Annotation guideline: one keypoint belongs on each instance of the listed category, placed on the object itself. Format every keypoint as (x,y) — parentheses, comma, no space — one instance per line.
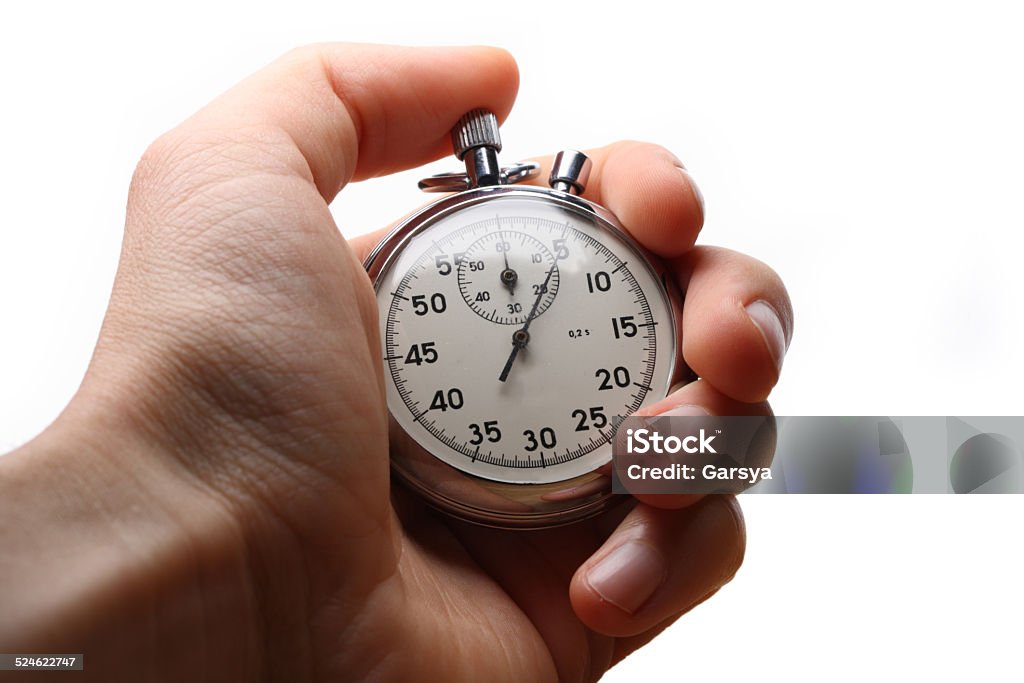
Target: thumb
(241,329)
(351,112)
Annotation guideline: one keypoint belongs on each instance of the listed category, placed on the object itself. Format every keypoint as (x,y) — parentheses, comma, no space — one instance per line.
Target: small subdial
(504,274)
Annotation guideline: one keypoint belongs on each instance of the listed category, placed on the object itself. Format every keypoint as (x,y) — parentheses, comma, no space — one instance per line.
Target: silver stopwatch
(519,324)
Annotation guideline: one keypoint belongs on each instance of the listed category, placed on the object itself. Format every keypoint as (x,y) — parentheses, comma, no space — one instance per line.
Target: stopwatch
(519,324)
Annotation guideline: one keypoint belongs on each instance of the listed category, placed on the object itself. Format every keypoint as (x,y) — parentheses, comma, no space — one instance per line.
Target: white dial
(516,329)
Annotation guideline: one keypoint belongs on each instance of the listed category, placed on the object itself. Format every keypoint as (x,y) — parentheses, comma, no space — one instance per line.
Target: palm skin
(241,360)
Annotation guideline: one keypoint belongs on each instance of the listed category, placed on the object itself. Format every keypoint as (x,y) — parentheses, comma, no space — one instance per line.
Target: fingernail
(628,576)
(695,190)
(767,321)
(686,410)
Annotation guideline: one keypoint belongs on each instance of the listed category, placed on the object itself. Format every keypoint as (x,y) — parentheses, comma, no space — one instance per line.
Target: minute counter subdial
(504,274)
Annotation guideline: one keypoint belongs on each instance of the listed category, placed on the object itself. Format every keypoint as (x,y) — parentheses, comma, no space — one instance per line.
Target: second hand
(521,337)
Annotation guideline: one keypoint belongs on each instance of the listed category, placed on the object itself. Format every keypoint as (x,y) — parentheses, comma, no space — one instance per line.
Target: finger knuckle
(152,168)
(753,277)
(175,159)
(310,53)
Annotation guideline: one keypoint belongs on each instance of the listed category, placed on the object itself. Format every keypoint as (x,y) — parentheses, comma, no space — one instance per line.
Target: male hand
(216,498)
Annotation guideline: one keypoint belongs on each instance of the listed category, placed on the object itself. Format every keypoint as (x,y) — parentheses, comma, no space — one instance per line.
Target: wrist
(110,550)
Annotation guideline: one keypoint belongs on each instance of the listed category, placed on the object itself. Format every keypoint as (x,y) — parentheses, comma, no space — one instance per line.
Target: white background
(873,155)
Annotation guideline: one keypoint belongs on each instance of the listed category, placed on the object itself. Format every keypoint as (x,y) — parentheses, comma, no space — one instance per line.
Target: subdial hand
(509,276)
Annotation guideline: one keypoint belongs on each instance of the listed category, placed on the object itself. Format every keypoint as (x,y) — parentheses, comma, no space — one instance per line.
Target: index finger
(649,191)
(643,184)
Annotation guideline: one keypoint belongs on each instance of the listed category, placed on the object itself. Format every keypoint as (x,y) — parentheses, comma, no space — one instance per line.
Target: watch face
(516,327)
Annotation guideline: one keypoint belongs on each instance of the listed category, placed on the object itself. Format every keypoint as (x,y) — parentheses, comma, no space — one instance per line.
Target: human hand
(228,447)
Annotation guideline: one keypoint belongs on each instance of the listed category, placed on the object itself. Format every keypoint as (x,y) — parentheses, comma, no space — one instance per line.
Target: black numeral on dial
(599,282)
(490,429)
(544,437)
(443,400)
(620,376)
(421,306)
(421,353)
(597,418)
(623,326)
